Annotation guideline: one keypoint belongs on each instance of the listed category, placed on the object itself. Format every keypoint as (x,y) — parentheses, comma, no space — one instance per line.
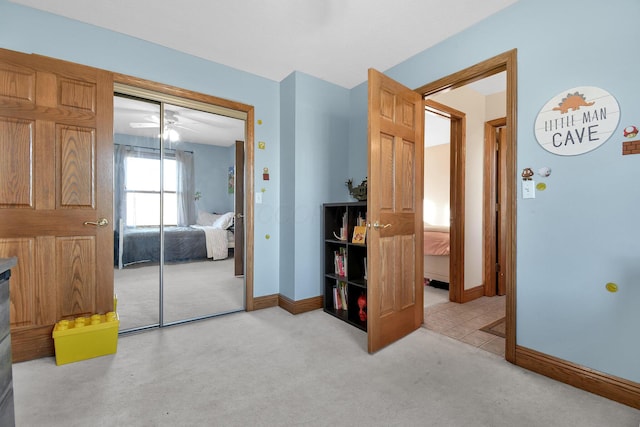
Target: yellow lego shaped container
(86,337)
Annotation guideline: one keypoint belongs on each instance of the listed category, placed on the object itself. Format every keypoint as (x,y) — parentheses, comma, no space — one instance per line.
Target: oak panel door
(394,211)
(56,131)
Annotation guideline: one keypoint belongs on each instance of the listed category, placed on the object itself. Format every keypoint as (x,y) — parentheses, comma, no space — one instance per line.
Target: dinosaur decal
(573,102)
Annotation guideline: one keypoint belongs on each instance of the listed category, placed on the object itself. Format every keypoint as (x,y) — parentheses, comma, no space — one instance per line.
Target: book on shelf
(337,305)
(340,295)
(340,262)
(359,234)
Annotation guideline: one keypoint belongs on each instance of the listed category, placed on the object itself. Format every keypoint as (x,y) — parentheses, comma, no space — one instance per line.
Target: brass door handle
(377,225)
(99,223)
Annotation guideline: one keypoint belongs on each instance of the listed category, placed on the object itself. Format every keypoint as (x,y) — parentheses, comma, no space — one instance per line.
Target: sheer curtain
(185,188)
(119,177)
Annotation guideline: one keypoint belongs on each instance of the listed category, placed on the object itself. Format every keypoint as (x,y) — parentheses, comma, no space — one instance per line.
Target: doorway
(472,288)
(179,209)
(495,199)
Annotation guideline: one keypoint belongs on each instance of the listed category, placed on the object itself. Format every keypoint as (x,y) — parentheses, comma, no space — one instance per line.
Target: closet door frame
(170,94)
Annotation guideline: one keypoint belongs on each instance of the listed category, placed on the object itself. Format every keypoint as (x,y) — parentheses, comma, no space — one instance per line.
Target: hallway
(464,322)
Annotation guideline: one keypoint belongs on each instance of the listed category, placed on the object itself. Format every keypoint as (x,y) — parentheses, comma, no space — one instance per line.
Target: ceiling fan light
(172,135)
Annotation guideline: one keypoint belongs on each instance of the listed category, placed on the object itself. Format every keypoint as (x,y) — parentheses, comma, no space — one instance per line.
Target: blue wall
(321,168)
(582,232)
(314,129)
(211,165)
(287,185)
(358,138)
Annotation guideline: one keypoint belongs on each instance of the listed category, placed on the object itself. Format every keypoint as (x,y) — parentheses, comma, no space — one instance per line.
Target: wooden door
(56,131)
(501,212)
(495,207)
(238,247)
(394,211)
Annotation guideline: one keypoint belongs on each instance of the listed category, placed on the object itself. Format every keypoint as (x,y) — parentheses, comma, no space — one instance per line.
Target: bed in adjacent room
(436,253)
(210,238)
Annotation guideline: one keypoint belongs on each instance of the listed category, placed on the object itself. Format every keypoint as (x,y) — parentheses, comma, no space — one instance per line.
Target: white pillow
(225,221)
(206,218)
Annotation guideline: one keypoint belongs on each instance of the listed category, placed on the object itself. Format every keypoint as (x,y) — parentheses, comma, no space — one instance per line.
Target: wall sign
(577,121)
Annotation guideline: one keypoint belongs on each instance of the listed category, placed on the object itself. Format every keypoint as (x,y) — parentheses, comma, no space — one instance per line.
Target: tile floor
(464,321)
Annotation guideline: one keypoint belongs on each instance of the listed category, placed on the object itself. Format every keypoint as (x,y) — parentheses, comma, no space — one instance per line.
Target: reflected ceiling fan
(137,118)
(172,122)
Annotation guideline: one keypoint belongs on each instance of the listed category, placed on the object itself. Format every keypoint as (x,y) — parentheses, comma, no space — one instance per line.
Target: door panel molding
(16,184)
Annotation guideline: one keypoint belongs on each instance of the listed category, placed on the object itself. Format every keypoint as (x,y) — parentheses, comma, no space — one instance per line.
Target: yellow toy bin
(86,337)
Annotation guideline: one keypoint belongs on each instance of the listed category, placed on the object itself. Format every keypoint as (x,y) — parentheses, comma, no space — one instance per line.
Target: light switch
(258,197)
(529,189)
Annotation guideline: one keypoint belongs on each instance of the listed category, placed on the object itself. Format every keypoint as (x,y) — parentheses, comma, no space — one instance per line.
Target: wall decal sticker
(577,120)
(631,147)
(541,186)
(259,121)
(527,173)
(611,287)
(544,171)
(261,145)
(630,132)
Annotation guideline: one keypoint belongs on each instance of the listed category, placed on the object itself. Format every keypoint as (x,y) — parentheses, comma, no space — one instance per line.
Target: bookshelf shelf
(345,262)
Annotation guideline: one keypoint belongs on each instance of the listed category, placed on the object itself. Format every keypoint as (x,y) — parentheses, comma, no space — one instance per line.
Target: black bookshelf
(344,262)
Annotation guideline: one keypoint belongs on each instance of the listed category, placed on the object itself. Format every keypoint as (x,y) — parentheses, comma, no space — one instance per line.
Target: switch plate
(258,197)
(529,189)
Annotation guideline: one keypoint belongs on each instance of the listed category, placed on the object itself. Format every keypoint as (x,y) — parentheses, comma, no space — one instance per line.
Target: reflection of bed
(142,244)
(436,253)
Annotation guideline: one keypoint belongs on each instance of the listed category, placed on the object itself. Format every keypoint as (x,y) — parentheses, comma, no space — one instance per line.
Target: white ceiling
(334,40)
(138,118)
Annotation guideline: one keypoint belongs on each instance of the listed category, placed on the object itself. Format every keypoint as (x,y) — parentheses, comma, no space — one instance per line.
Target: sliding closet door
(199,189)
(137,208)
(174,191)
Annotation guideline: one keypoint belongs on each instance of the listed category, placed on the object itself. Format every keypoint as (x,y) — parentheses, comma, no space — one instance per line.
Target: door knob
(377,225)
(99,223)
(239,215)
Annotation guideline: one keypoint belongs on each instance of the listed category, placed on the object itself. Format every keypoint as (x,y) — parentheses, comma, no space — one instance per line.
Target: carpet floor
(271,368)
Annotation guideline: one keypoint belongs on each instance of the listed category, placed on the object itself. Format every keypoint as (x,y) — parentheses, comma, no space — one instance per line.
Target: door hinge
(497,207)
(497,268)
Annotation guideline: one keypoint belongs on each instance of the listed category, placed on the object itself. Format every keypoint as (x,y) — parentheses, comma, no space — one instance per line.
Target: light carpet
(270,368)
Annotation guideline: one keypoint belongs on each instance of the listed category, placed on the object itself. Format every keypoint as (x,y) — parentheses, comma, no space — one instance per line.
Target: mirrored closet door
(176,219)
